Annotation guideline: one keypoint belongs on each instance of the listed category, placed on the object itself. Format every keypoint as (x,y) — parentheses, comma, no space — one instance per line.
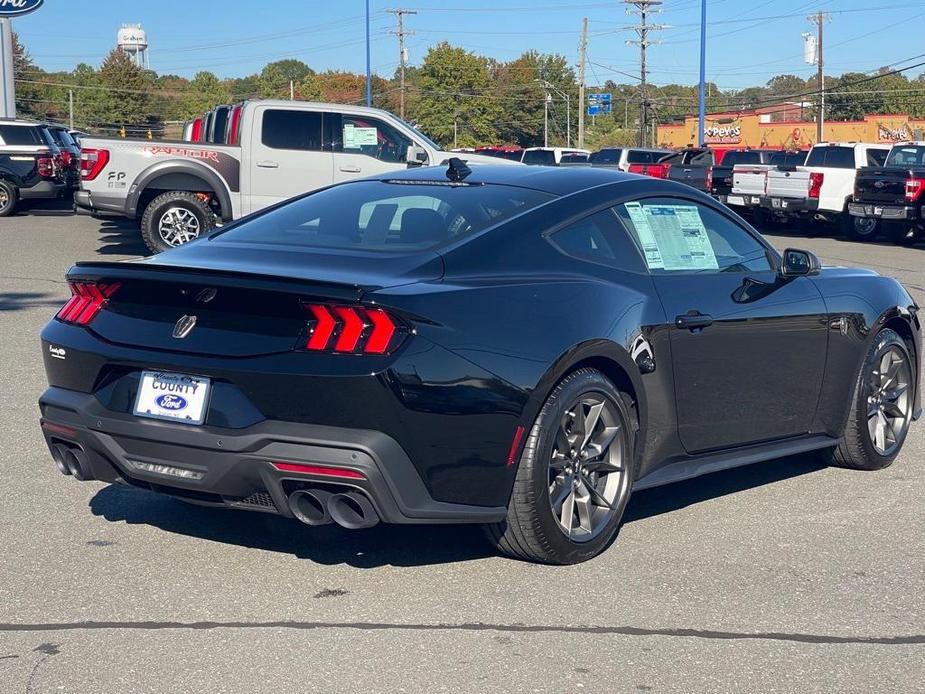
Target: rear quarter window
(21,135)
(831,157)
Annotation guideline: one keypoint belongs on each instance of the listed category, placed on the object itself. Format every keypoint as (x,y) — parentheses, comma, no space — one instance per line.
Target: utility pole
(546,99)
(643,8)
(402,52)
(369,67)
(819,19)
(701,98)
(582,60)
(291,91)
(70,102)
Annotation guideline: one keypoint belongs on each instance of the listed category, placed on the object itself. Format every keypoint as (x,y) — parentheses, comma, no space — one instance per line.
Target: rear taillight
(66,159)
(45,166)
(352,330)
(914,187)
(92,161)
(637,169)
(659,170)
(235,125)
(710,178)
(197,130)
(815,183)
(87,298)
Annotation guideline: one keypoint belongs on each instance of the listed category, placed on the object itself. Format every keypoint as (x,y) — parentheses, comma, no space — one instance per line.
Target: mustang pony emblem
(184,327)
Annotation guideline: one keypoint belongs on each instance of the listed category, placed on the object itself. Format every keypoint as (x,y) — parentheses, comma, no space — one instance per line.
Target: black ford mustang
(517,347)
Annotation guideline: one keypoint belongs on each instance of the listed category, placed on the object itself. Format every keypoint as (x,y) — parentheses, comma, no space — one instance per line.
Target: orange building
(780,128)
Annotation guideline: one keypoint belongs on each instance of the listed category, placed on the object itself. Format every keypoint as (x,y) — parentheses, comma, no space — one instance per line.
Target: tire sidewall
(852,230)
(885,338)
(547,422)
(7,210)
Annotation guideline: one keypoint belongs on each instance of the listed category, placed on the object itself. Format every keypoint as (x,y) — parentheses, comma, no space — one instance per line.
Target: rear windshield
(574,158)
(906,156)
(641,156)
(788,158)
(540,157)
(733,158)
(833,157)
(62,137)
(397,217)
(21,135)
(606,156)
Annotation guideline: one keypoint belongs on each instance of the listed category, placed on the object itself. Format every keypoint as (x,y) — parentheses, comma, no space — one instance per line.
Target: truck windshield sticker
(672,237)
(355,137)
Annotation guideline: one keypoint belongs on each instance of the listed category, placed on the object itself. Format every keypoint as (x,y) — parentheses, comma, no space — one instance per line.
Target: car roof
(549,179)
(19,122)
(560,150)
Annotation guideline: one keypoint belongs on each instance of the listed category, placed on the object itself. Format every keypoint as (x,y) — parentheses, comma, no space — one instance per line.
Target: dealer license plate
(735,200)
(174,397)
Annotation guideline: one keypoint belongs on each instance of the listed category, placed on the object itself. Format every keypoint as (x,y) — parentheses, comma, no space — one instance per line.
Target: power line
(643,8)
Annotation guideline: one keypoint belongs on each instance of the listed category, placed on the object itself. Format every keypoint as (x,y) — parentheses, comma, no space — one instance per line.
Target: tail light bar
(45,166)
(653,170)
(233,131)
(709,182)
(352,329)
(92,161)
(815,183)
(87,299)
(914,188)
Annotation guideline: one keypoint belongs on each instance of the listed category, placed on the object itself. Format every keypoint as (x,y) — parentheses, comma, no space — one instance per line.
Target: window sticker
(355,137)
(672,237)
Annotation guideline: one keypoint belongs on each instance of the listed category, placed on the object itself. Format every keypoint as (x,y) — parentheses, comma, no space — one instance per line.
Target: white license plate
(174,397)
(755,200)
(735,200)
(878,211)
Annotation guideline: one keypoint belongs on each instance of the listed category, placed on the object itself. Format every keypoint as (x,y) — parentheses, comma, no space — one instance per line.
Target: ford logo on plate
(171,402)
(12,8)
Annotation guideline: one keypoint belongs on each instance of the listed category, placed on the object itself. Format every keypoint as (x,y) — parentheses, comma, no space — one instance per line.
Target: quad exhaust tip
(71,460)
(58,454)
(351,510)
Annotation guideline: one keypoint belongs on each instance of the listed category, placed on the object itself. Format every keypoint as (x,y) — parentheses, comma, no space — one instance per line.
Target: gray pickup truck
(279,149)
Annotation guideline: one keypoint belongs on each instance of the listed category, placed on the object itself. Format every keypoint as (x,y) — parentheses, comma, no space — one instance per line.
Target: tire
(9,196)
(532,530)
(859,228)
(859,448)
(902,234)
(185,214)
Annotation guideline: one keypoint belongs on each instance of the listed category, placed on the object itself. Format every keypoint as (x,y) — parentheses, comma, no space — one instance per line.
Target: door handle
(268,164)
(693,320)
(351,169)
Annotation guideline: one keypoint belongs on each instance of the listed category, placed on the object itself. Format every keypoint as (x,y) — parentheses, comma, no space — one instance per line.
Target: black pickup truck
(894,193)
(30,164)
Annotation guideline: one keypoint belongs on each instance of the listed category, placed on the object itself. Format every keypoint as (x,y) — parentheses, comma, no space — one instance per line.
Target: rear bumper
(98,204)
(236,464)
(900,212)
(789,205)
(740,200)
(42,190)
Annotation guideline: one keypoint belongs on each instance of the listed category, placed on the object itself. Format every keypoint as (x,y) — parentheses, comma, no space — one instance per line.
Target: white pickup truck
(277,150)
(823,187)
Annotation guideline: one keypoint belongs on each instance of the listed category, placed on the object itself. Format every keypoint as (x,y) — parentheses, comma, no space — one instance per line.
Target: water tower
(133,40)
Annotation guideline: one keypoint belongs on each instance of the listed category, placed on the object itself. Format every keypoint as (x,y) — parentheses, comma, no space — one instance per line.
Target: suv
(623,157)
(29,164)
(70,153)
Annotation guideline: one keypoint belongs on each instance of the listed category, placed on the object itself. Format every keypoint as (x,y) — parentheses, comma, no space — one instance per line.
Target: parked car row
(37,161)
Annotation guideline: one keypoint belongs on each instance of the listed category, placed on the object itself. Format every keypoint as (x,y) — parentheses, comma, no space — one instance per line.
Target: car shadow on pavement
(120,237)
(20,301)
(399,545)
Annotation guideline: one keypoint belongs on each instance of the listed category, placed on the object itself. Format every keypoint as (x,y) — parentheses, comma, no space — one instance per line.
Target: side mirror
(797,263)
(416,156)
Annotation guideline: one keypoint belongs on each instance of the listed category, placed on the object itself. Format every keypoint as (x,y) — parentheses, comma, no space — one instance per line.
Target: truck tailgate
(788,184)
(749,179)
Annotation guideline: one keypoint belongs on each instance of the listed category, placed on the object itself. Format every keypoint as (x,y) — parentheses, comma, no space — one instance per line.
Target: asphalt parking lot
(780,577)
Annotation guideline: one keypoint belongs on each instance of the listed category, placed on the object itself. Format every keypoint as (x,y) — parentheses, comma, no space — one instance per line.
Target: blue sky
(748,41)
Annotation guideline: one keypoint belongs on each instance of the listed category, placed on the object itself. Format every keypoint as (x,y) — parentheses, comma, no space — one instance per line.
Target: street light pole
(369,71)
(701,109)
(568,112)
(546,99)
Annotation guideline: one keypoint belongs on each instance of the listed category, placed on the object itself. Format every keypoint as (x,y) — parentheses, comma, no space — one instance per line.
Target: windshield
(906,156)
(397,216)
(539,157)
(733,158)
(421,135)
(606,156)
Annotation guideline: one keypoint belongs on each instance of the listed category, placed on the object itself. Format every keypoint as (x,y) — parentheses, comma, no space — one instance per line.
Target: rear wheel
(175,218)
(902,233)
(882,406)
(575,474)
(8,198)
(859,228)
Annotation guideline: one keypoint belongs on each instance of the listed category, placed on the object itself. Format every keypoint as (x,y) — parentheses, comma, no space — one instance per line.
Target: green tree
(125,100)
(275,77)
(454,103)
(205,91)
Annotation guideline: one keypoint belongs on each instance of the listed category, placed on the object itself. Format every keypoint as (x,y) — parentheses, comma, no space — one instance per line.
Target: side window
(300,130)
(682,236)
(369,136)
(601,239)
(876,157)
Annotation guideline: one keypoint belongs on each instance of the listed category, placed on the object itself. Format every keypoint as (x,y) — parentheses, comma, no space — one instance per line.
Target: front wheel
(575,474)
(882,406)
(859,228)
(174,218)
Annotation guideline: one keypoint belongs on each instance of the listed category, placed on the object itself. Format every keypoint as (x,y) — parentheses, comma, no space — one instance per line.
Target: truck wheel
(902,234)
(174,218)
(8,198)
(859,228)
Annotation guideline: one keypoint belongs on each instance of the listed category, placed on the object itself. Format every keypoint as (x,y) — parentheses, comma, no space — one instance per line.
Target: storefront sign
(726,135)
